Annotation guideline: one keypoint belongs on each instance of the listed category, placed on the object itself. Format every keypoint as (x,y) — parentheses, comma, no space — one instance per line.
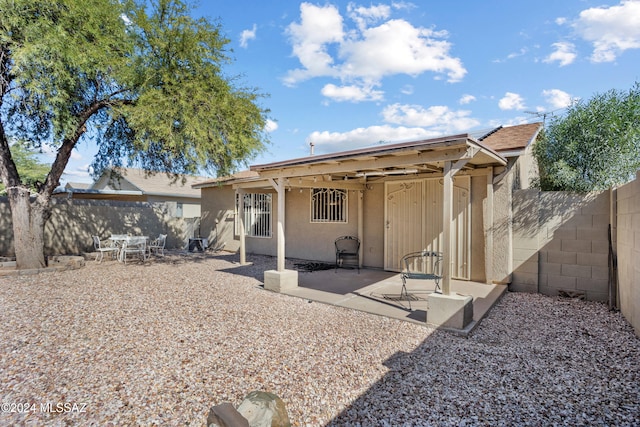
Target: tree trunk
(28,228)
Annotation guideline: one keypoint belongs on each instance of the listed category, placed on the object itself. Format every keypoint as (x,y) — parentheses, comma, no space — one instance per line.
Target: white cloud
(564,53)
(511,101)
(80,173)
(407,89)
(438,117)
(270,126)
(521,52)
(612,30)
(352,93)
(466,99)
(557,98)
(247,35)
(364,16)
(328,142)
(318,28)
(397,47)
(512,55)
(366,54)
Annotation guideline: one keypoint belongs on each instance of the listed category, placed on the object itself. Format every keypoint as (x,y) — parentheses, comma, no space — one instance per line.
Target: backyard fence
(580,245)
(74,221)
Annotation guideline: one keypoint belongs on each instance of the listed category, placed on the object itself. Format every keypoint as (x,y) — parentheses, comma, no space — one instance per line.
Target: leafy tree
(594,146)
(31,170)
(143,79)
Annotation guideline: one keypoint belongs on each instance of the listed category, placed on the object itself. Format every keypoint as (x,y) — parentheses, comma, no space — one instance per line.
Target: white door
(413,221)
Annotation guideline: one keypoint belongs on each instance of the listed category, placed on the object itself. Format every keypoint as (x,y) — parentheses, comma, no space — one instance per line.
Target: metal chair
(423,265)
(157,245)
(100,250)
(134,245)
(347,252)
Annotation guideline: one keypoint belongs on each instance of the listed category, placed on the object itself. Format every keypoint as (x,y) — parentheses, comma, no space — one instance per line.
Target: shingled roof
(157,185)
(512,138)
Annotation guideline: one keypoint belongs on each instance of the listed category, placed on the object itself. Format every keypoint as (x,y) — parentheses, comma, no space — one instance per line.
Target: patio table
(124,240)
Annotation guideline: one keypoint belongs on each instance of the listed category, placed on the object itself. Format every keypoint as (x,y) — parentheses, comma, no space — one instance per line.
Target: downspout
(613,258)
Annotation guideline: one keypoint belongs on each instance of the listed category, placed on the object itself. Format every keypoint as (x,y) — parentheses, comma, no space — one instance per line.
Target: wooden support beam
(447,202)
(351,165)
(243,251)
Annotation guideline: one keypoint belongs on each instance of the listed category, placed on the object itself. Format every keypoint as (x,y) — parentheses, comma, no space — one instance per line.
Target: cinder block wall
(560,243)
(628,251)
(74,221)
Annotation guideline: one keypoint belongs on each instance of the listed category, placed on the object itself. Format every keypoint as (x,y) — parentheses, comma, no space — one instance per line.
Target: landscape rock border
(56,263)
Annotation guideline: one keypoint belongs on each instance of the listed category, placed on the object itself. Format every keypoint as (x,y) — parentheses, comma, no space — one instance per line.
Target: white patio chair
(100,249)
(134,245)
(157,245)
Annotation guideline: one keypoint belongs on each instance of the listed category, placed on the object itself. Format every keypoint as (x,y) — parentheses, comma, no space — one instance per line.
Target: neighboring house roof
(158,184)
(512,139)
(77,186)
(226,180)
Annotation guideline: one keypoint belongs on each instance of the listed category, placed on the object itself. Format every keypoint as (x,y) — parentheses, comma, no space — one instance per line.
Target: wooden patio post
(243,252)
(447,202)
(360,226)
(279,186)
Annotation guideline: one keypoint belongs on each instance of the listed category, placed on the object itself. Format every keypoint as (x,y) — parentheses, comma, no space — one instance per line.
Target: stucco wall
(478,212)
(502,232)
(315,241)
(373,230)
(218,216)
(560,243)
(74,221)
(628,251)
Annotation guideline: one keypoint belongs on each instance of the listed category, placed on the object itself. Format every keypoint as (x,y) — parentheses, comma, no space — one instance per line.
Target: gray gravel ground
(158,344)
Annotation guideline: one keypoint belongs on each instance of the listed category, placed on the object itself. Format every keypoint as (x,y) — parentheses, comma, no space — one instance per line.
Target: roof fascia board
(363,152)
(343,185)
(354,164)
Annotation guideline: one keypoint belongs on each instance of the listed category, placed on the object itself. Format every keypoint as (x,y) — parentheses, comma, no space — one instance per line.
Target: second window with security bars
(328,205)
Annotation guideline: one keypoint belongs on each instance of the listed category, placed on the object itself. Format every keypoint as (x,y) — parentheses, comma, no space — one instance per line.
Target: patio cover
(350,169)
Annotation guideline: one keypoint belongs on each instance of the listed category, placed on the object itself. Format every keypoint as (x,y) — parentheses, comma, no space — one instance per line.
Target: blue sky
(347,75)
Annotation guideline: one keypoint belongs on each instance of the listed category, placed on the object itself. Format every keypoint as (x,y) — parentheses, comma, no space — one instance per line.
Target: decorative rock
(225,415)
(263,409)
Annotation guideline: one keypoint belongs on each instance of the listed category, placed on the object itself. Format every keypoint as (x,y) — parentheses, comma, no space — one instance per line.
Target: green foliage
(142,79)
(32,171)
(594,146)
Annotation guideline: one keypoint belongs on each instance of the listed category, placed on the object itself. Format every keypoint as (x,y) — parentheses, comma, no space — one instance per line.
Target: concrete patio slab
(378,292)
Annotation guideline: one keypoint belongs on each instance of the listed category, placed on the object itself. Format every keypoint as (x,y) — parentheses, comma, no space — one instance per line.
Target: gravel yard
(158,344)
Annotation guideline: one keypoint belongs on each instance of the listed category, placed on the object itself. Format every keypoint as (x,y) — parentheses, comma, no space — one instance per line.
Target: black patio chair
(347,252)
(423,265)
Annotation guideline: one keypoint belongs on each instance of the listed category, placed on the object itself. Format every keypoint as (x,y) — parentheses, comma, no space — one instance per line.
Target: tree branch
(64,152)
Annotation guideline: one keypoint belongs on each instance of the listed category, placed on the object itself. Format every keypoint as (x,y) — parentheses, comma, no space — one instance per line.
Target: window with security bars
(328,205)
(257,214)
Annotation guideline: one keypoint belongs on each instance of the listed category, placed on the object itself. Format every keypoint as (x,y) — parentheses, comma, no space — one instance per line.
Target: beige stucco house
(450,194)
(135,185)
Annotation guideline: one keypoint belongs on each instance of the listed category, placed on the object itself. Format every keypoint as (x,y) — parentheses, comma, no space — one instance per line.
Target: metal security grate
(328,205)
(257,214)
